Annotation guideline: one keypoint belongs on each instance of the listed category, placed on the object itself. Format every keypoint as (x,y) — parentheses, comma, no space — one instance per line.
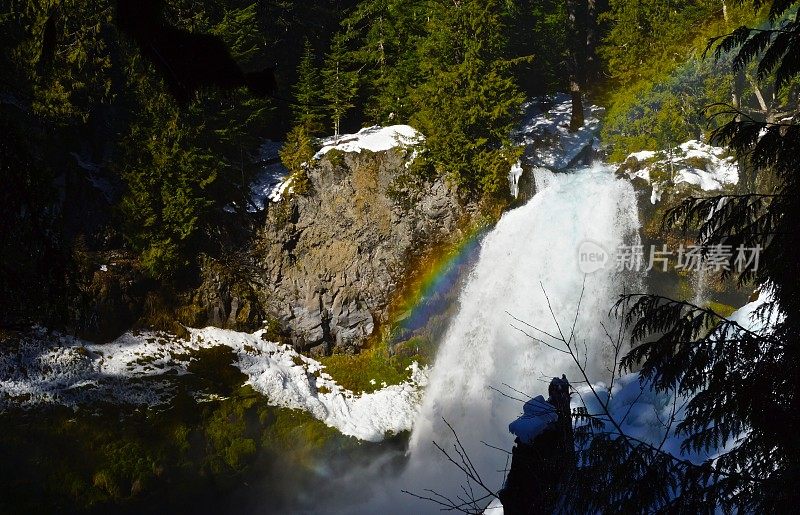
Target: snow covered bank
(374,139)
(545,127)
(693,163)
(48,367)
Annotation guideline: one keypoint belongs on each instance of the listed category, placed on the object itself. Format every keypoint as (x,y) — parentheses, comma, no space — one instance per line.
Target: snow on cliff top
(375,139)
(48,367)
(271,183)
(694,163)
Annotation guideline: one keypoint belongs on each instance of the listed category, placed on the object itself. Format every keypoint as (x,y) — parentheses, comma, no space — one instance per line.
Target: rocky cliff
(334,258)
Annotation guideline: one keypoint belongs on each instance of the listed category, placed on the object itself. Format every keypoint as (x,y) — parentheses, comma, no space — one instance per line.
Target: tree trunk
(592,38)
(576,120)
(578,13)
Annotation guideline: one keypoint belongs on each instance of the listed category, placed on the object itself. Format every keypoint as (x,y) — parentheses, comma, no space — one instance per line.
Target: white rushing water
(532,248)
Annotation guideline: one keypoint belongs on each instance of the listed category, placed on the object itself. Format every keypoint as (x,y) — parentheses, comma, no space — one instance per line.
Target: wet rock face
(334,258)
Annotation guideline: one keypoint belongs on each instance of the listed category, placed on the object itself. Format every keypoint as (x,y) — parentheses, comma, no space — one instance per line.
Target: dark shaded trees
(578,16)
(187,60)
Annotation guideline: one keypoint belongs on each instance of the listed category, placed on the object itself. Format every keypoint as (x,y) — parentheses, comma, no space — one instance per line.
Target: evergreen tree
(540,28)
(385,34)
(307,108)
(183,165)
(340,82)
(467,100)
(296,155)
(644,35)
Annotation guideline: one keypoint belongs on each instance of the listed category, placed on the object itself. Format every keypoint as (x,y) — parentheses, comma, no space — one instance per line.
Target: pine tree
(296,155)
(183,165)
(468,99)
(340,82)
(540,28)
(384,34)
(307,109)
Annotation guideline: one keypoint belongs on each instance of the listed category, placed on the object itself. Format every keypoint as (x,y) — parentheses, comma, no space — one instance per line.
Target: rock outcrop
(334,258)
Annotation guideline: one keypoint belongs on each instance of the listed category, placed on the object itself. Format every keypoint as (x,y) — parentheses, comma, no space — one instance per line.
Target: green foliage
(184,165)
(467,100)
(384,36)
(230,443)
(168,192)
(214,367)
(69,69)
(648,38)
(286,428)
(340,82)
(240,30)
(307,109)
(335,157)
(296,155)
(365,371)
(664,85)
(193,455)
(541,28)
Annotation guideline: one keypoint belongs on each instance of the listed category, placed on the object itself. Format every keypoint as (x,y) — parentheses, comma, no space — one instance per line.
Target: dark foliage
(186,61)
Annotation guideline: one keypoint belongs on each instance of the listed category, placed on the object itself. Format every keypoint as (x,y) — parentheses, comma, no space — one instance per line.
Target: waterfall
(533,247)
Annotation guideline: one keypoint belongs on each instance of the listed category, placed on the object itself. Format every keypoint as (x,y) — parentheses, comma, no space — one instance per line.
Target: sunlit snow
(48,367)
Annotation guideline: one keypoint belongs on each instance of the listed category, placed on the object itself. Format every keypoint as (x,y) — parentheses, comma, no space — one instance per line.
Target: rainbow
(426,295)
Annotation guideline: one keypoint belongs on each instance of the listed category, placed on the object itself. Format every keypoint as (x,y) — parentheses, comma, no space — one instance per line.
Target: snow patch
(267,184)
(271,183)
(694,163)
(545,127)
(374,139)
(513,178)
(46,367)
(276,195)
(537,414)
